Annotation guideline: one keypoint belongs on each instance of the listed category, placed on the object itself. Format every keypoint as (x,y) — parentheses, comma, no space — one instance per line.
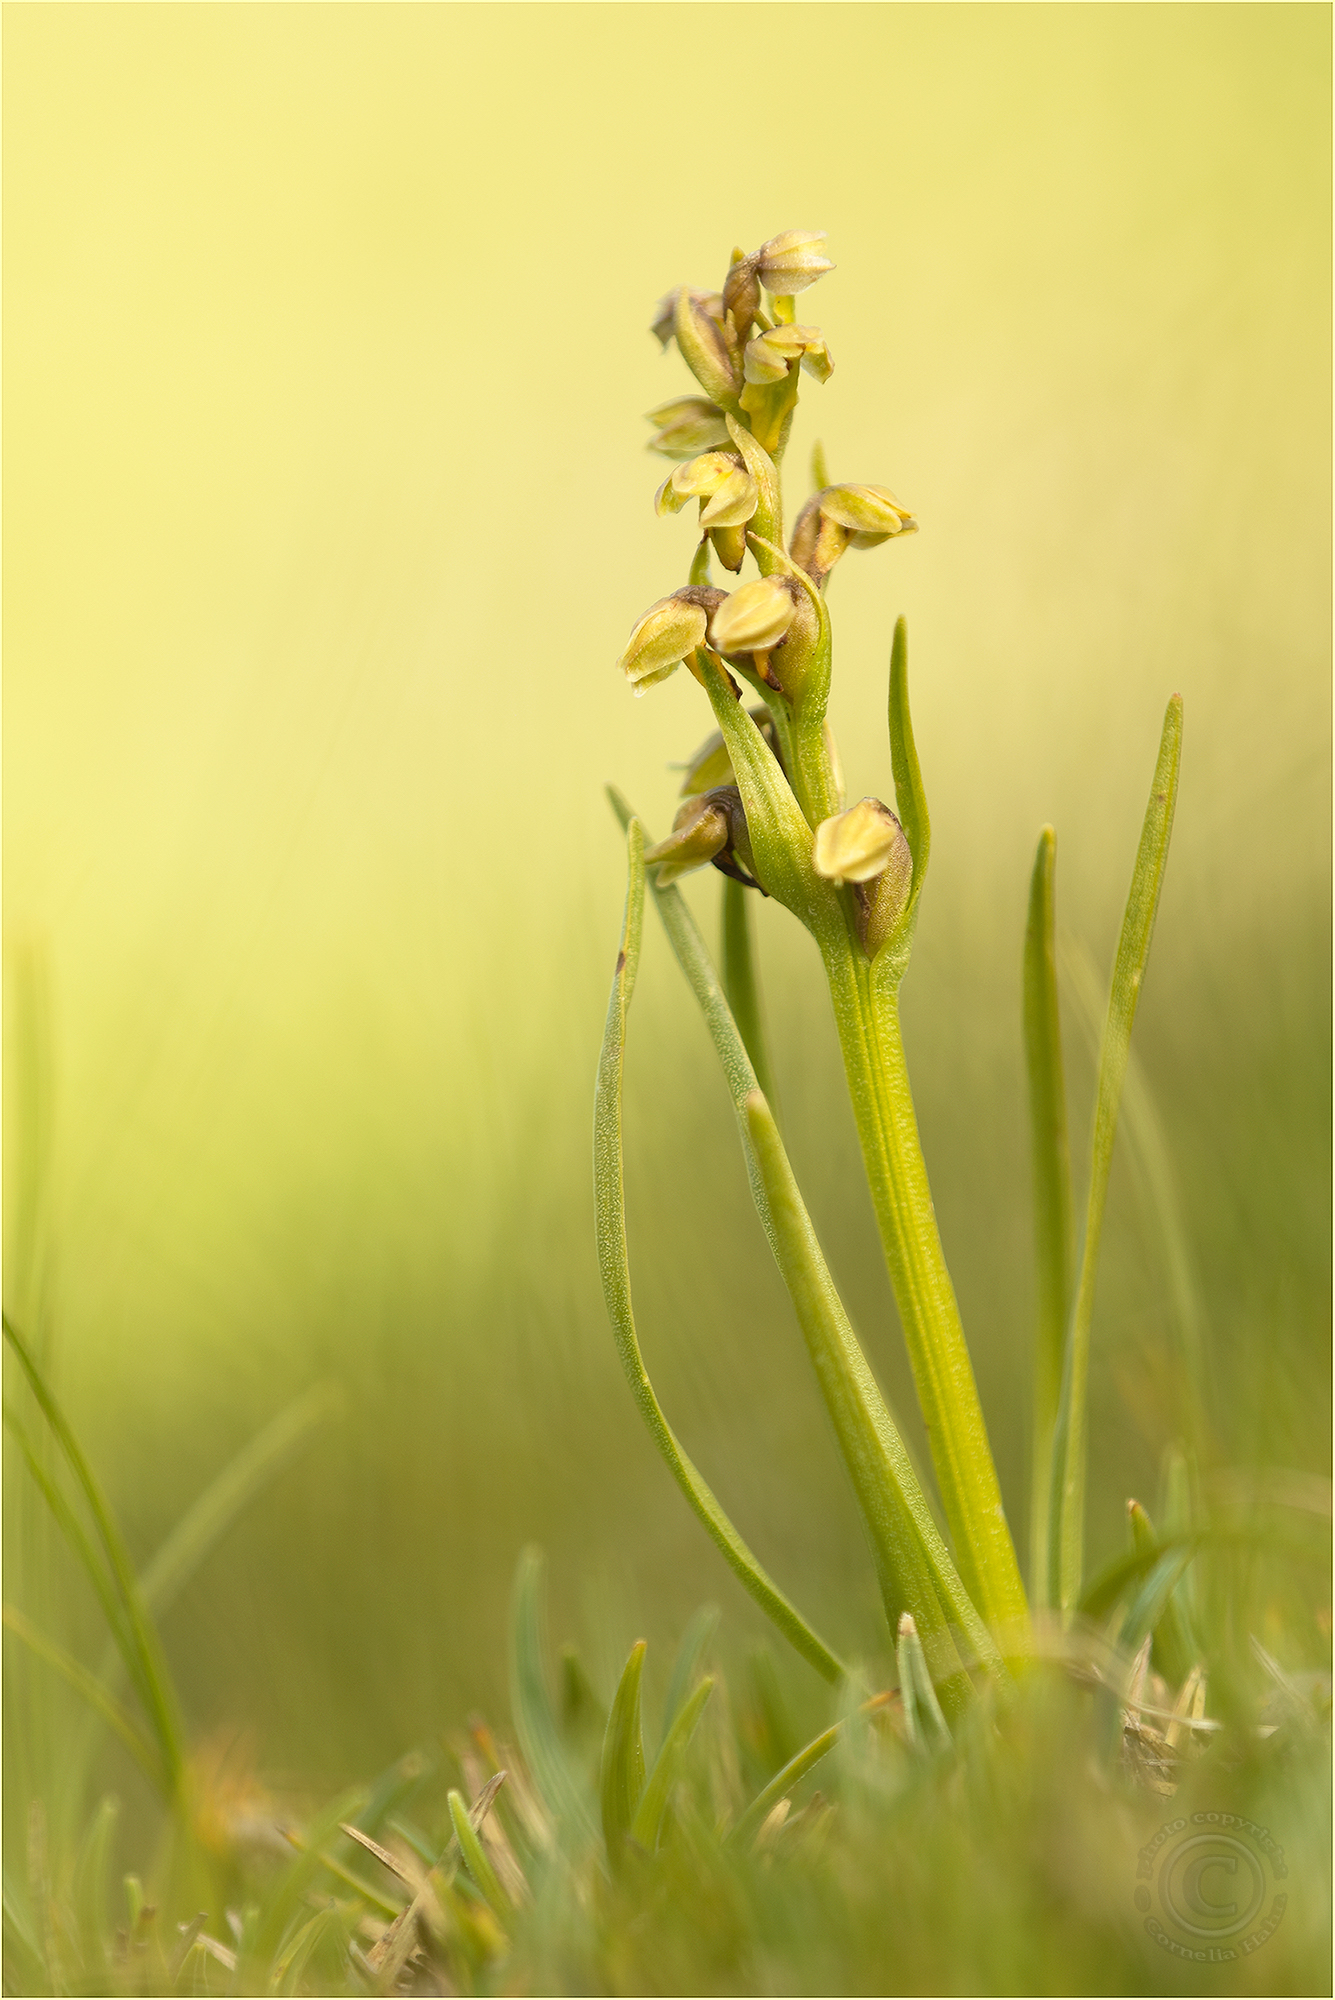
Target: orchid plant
(764,804)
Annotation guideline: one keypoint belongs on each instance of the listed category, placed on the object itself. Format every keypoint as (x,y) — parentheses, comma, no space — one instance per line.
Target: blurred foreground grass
(320,543)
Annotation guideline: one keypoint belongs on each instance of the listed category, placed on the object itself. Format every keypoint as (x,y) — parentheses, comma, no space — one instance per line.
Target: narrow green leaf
(923,1720)
(622,1778)
(694,1644)
(531,1701)
(614,1264)
(910,795)
(648,1822)
(95,1694)
(740,982)
(144,1647)
(475,1858)
(1070,1443)
(1050,1164)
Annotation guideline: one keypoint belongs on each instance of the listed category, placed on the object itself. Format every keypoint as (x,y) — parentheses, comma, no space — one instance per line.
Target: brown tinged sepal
(866,848)
(741,294)
(844,517)
(668,634)
(709,828)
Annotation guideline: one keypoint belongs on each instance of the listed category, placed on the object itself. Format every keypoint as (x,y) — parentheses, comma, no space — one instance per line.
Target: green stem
(867,1016)
(913,1565)
(741,985)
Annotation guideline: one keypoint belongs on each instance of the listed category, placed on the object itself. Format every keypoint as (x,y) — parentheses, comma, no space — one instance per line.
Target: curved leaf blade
(614,1264)
(622,1777)
(650,1813)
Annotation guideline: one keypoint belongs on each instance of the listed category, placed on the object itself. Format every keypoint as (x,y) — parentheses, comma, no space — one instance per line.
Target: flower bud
(871,513)
(883,900)
(708,827)
(753,619)
(667,633)
(688,426)
(704,348)
(792,261)
(856,845)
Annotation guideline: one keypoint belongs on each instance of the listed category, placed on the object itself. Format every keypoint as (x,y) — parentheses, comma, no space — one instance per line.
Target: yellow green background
(327,515)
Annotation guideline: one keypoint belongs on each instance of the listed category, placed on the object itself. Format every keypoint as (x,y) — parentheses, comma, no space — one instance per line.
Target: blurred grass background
(327,517)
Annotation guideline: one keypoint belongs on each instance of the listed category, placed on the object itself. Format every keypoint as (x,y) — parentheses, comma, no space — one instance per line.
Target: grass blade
(740,983)
(622,1778)
(1173,1653)
(535,1717)
(1070,1444)
(142,1648)
(475,1858)
(648,1821)
(614,1263)
(1050,1152)
(95,1694)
